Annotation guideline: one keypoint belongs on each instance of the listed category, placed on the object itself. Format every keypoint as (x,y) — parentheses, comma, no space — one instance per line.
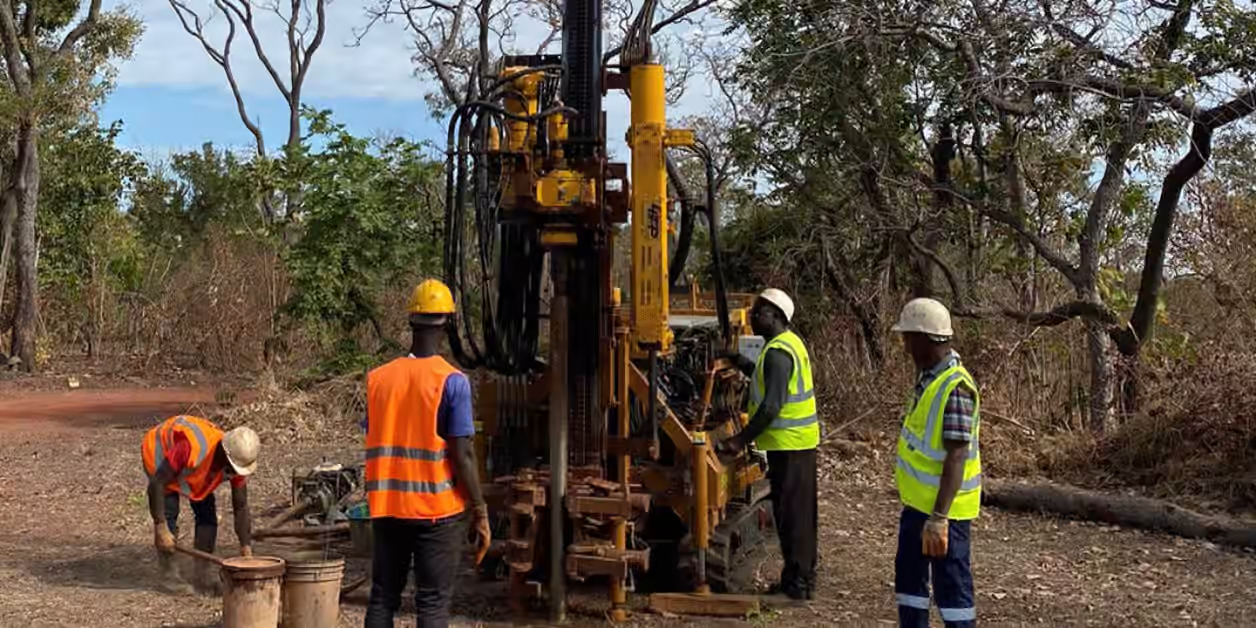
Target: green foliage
(367,221)
(174,205)
(84,236)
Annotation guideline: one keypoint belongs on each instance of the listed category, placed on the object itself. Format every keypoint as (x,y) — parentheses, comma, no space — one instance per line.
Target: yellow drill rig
(601,409)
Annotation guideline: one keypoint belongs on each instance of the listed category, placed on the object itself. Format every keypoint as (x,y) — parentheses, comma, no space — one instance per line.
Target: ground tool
(195,553)
(605,399)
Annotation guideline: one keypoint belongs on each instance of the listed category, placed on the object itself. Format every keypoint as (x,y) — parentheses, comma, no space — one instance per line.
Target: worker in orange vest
(421,469)
(189,456)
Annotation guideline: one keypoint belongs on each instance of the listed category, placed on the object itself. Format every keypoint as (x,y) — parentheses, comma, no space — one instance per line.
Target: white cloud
(168,56)
(379,67)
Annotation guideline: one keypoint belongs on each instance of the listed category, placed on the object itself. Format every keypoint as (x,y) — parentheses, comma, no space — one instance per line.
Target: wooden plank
(710,604)
(582,566)
(613,506)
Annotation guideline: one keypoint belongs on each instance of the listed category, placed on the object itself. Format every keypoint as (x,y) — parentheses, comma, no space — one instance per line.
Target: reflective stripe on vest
(918,472)
(797,426)
(408,473)
(197,480)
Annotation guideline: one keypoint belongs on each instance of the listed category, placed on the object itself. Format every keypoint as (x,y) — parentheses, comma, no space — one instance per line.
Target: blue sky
(171,97)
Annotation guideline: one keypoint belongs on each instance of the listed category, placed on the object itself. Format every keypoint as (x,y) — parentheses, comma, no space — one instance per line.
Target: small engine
(326,488)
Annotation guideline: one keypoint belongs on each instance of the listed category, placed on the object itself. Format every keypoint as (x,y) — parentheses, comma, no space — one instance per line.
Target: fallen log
(1123,510)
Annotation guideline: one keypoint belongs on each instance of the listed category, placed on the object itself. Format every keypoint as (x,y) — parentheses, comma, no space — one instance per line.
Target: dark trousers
(952,575)
(204,512)
(434,547)
(792,475)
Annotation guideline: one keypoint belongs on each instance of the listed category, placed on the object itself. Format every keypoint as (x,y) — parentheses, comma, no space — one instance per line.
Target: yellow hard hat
(431,297)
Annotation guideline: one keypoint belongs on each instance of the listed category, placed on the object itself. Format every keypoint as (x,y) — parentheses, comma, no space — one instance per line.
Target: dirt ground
(75,546)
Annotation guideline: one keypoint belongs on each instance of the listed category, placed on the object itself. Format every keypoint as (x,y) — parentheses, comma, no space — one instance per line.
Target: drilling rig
(602,401)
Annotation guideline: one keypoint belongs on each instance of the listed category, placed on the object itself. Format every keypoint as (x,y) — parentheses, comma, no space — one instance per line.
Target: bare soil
(75,547)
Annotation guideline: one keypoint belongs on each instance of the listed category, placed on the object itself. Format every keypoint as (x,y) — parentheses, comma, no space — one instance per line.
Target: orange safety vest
(197,481)
(408,475)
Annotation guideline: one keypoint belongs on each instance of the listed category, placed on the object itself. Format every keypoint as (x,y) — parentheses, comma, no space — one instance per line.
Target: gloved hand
(246,551)
(736,359)
(163,540)
(483,533)
(729,447)
(934,537)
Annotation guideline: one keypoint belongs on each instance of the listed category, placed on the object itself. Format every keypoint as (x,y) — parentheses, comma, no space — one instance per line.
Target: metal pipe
(619,594)
(558,415)
(701,507)
(652,404)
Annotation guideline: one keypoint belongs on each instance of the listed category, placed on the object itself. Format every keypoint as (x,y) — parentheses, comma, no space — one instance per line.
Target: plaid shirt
(957,418)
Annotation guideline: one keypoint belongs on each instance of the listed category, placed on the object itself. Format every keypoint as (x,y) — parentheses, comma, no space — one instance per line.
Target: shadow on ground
(125,567)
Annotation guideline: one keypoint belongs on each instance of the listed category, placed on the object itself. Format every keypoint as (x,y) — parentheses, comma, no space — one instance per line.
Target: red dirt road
(71,409)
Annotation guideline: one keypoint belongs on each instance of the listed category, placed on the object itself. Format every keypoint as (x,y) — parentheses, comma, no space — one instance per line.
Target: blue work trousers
(204,512)
(952,575)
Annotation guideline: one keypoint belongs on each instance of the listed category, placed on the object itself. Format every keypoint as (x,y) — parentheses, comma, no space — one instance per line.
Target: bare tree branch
(79,31)
(193,25)
(18,74)
(1022,230)
(682,13)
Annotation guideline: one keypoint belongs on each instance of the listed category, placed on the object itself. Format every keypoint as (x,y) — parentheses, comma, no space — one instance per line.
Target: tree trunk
(1135,512)
(1102,376)
(25,186)
(8,217)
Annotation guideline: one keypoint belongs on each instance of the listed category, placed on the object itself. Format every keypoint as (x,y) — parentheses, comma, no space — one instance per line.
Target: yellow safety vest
(798,426)
(920,451)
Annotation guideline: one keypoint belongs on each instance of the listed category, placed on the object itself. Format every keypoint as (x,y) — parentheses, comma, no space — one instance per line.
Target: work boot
(205,574)
(171,582)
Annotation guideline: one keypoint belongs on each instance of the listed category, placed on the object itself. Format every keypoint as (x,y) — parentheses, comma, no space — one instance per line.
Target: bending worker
(421,469)
(938,474)
(784,424)
(191,456)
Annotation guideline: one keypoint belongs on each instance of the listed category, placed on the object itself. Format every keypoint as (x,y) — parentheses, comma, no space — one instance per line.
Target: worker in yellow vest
(938,473)
(784,423)
(421,470)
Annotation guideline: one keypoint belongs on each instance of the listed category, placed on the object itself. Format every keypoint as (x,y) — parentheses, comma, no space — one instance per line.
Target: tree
(174,204)
(53,75)
(88,248)
(1031,118)
(370,218)
(304,23)
(459,44)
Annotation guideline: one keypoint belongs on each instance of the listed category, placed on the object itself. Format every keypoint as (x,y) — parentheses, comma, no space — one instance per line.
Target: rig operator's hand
(934,537)
(483,533)
(729,447)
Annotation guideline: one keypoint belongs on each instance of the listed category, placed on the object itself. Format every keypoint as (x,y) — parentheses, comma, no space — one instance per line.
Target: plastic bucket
(360,536)
(251,591)
(311,594)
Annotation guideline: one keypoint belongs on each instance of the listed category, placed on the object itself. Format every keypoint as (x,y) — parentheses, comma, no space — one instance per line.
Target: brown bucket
(251,588)
(311,594)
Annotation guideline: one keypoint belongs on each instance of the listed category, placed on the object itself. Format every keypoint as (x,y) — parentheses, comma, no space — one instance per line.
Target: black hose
(685,237)
(717,263)
(683,242)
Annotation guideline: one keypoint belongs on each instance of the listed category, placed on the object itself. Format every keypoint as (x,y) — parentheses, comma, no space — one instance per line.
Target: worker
(190,456)
(938,474)
(421,469)
(784,423)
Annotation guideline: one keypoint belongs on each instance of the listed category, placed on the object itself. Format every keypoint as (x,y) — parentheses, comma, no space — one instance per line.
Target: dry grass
(327,413)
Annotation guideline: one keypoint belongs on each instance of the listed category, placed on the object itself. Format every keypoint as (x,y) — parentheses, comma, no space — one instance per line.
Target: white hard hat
(925,316)
(241,446)
(780,300)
